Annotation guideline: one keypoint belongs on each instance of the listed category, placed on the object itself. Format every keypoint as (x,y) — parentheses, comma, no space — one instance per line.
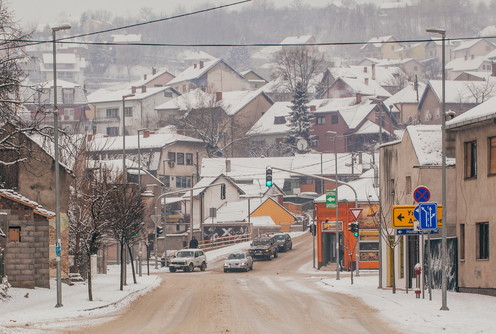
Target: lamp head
(436,31)
(62,27)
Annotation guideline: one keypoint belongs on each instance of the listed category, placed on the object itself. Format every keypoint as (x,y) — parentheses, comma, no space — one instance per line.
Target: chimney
(201,64)
(218,96)
(143,89)
(313,108)
(358,98)
(373,71)
(146,134)
(154,71)
(133,90)
(144,77)
(365,69)
(194,65)
(493,68)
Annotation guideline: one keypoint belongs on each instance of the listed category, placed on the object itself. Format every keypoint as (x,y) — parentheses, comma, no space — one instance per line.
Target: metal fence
(223,241)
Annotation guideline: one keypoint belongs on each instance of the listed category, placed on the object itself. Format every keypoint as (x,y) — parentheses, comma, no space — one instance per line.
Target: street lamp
(139,157)
(335,136)
(57,171)
(444,230)
(124,97)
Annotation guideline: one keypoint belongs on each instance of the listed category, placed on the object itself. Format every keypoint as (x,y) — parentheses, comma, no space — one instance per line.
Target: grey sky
(32,12)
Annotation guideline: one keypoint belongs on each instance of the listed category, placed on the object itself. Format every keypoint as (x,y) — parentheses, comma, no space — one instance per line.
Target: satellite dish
(302,144)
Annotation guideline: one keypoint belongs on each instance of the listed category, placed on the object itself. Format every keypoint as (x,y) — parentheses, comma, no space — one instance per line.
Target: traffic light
(160,230)
(268,177)
(313,229)
(223,191)
(353,228)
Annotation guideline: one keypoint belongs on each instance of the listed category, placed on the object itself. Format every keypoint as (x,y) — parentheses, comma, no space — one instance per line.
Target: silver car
(238,261)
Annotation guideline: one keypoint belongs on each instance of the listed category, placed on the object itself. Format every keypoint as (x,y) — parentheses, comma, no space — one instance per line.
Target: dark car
(263,247)
(283,242)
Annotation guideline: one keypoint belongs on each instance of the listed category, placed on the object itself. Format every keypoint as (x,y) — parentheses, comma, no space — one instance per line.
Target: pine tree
(300,121)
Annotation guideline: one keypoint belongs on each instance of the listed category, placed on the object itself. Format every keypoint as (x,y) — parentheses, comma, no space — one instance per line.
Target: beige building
(475,137)
(210,76)
(405,165)
(383,47)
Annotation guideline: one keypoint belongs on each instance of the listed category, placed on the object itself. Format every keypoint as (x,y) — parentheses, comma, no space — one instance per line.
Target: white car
(188,259)
(238,261)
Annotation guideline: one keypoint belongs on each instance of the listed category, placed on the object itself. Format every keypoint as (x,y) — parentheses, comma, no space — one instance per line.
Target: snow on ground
(468,313)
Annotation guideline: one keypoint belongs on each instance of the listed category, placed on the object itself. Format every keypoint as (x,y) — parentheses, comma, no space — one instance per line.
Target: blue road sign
(421,194)
(426,214)
(410,231)
(57,249)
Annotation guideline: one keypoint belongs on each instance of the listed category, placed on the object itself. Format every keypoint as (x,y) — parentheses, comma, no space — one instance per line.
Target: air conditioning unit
(172,164)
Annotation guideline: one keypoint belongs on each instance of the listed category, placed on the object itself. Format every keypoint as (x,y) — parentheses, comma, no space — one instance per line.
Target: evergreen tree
(300,121)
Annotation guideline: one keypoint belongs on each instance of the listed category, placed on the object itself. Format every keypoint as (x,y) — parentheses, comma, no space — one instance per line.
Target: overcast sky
(29,12)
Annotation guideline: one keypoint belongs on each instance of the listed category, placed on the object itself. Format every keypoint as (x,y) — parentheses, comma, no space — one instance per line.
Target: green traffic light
(268,183)
(355,234)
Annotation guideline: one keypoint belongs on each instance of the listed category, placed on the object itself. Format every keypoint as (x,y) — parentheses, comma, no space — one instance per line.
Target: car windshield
(184,254)
(280,237)
(237,256)
(260,242)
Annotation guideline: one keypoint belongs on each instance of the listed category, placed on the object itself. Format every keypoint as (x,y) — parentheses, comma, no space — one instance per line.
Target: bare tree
(482,90)
(207,119)
(126,218)
(297,64)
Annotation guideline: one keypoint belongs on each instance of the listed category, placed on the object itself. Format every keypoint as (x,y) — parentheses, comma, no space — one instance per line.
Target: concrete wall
(475,204)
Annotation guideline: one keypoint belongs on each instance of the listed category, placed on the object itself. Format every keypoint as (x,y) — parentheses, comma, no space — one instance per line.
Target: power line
(64,41)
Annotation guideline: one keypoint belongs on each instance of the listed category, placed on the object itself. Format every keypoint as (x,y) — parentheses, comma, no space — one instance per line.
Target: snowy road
(273,298)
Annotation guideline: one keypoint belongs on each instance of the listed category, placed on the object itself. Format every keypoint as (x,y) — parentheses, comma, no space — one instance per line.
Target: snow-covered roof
(235,211)
(154,140)
(191,55)
(377,41)
(149,78)
(426,141)
(31,92)
(37,208)
(462,64)
(297,39)
(407,95)
(62,58)
(112,95)
(385,76)
(125,38)
(364,86)
(369,127)
(195,71)
(364,187)
(459,91)
(468,44)
(484,111)
(262,221)
(489,31)
(354,115)
(266,124)
(231,102)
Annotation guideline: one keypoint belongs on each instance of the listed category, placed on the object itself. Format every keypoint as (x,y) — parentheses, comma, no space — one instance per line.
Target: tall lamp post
(444,230)
(57,170)
(124,97)
(334,135)
(139,157)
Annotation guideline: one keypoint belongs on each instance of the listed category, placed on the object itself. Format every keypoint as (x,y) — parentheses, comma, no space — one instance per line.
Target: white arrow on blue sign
(426,214)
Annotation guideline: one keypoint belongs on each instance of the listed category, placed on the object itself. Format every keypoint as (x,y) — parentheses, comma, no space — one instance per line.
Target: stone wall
(26,261)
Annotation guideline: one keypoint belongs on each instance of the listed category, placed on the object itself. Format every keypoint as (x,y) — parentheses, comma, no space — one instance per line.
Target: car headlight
(226,264)
(266,250)
(243,263)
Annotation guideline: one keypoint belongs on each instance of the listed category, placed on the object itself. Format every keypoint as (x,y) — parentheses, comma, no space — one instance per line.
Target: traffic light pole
(325,179)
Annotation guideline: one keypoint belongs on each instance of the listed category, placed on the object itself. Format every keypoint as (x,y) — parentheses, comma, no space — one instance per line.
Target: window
(279,120)
(320,120)
(68,95)
(415,68)
(315,141)
(112,131)
(69,112)
(171,156)
(189,159)
(482,241)
(167,93)
(408,185)
(112,112)
(165,179)
(180,158)
(334,119)
(183,182)
(462,241)
(492,156)
(470,159)
(14,234)
(128,111)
